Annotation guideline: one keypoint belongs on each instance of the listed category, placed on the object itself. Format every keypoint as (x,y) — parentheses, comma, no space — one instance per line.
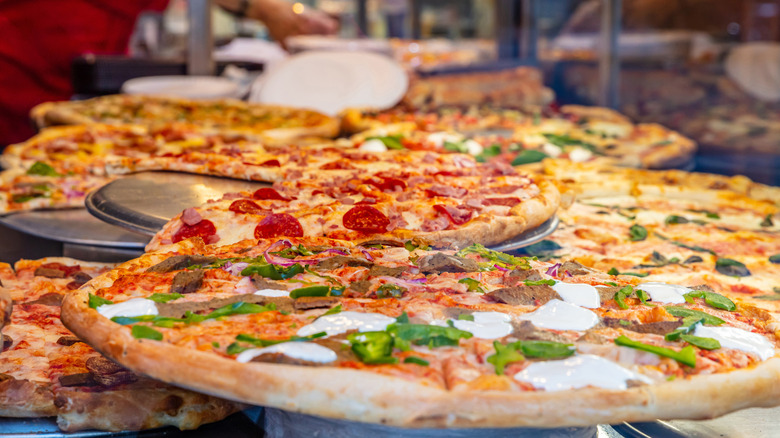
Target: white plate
(191,87)
(331,81)
(301,43)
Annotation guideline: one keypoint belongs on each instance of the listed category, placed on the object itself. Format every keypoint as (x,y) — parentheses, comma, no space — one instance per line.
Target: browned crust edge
(367,397)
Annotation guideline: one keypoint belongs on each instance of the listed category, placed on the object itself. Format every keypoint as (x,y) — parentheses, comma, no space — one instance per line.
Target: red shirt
(38,41)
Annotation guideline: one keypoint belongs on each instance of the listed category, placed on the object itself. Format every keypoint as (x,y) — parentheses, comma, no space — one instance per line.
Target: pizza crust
(6,305)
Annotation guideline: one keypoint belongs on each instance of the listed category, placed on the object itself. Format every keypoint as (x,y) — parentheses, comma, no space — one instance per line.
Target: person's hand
(283,21)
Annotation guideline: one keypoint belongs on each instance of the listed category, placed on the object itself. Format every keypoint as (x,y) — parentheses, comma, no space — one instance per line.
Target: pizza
(671,226)
(398,334)
(430,198)
(272,122)
(47,371)
(518,87)
(573,132)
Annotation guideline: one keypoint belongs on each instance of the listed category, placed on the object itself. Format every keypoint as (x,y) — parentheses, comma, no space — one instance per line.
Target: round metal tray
(73,226)
(145,202)
(529,237)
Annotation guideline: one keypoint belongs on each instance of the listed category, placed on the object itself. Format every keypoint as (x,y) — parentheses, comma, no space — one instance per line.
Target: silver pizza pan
(145,202)
(73,226)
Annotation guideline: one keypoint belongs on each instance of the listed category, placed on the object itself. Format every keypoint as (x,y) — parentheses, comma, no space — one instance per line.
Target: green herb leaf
(332,311)
(311,291)
(703,343)
(688,325)
(546,349)
(711,298)
(548,282)
(502,258)
(614,271)
(144,332)
(684,312)
(731,267)
(430,335)
(674,219)
(565,140)
(775,258)
(488,152)
(637,233)
(528,156)
(403,318)
(686,356)
(458,147)
(767,222)
(96,301)
(684,245)
(417,361)
(164,298)
(473,285)
(272,271)
(43,169)
(505,354)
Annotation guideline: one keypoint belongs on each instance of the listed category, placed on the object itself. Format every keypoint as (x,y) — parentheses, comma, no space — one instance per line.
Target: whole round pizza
(394,333)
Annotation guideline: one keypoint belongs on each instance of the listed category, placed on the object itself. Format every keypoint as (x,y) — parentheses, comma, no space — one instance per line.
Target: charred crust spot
(7,342)
(101,365)
(170,405)
(80,379)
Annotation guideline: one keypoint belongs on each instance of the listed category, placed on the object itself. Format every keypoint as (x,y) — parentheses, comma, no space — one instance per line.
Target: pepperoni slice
(267,193)
(278,225)
(245,206)
(387,184)
(67,270)
(366,219)
(271,163)
(456,215)
(204,229)
(507,202)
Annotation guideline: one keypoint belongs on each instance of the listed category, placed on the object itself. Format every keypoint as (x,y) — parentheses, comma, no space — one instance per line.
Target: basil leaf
(465,317)
(311,291)
(546,349)
(456,147)
(686,356)
(389,290)
(767,222)
(774,258)
(127,320)
(703,343)
(715,300)
(529,156)
(473,285)
(430,335)
(505,354)
(688,325)
(96,301)
(731,267)
(43,169)
(144,332)
(686,246)
(403,318)
(373,347)
(417,361)
(565,140)
(637,233)
(693,259)
(774,297)
(390,141)
(495,256)
(236,348)
(709,214)
(272,271)
(164,298)
(239,308)
(548,282)
(674,219)
(644,297)
(488,152)
(685,312)
(332,311)
(614,271)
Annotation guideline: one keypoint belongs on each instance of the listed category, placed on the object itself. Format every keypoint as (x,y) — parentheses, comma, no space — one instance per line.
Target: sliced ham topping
(204,229)
(367,200)
(429,158)
(278,225)
(474,203)
(366,219)
(190,216)
(507,202)
(347,200)
(435,224)
(387,184)
(446,191)
(245,206)
(456,215)
(504,190)
(337,165)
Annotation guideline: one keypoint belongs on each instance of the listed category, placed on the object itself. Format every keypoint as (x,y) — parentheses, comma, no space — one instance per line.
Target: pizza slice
(47,371)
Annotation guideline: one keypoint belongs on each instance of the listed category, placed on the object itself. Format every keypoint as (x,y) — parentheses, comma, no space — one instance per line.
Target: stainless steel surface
(609,60)
(529,237)
(100,253)
(200,40)
(748,423)
(146,201)
(73,226)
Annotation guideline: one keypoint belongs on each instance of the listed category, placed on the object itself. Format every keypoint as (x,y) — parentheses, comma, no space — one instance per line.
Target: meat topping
(440,262)
(524,295)
(187,282)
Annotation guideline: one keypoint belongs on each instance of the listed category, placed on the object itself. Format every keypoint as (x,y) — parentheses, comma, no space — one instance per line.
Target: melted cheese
(738,339)
(583,295)
(559,315)
(664,293)
(307,351)
(486,325)
(272,293)
(373,145)
(578,372)
(130,308)
(345,321)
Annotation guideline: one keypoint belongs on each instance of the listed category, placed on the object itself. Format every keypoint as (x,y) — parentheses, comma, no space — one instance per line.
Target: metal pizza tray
(145,202)
(73,226)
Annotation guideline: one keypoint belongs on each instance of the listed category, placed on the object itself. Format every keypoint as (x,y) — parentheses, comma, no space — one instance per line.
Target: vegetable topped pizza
(395,333)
